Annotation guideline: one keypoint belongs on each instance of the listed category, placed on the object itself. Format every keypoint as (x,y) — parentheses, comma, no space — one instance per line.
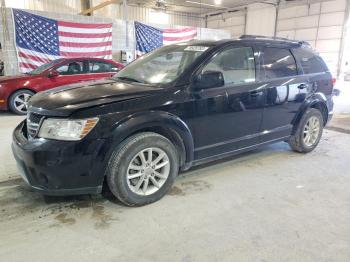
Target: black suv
(174,108)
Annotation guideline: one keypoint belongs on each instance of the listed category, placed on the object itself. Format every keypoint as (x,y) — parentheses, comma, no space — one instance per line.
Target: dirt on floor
(270,204)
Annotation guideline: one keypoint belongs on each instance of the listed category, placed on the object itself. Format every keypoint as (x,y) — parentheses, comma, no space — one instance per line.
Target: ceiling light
(198,3)
(217,2)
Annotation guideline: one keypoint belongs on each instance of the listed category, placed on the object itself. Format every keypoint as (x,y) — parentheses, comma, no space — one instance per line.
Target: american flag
(149,38)
(40,40)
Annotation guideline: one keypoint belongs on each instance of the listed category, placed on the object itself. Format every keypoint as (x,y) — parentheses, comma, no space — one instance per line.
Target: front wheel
(308,133)
(142,169)
(18,101)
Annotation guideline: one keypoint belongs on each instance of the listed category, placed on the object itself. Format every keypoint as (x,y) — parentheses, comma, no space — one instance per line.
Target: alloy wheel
(311,131)
(21,101)
(148,171)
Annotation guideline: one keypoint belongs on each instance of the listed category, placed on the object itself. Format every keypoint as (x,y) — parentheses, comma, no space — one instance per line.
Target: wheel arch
(16,90)
(19,89)
(317,101)
(163,123)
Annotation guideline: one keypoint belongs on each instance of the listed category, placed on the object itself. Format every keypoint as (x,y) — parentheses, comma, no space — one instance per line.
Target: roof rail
(263,37)
(274,38)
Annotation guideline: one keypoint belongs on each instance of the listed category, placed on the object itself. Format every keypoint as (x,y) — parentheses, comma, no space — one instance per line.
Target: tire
(298,141)
(18,101)
(130,191)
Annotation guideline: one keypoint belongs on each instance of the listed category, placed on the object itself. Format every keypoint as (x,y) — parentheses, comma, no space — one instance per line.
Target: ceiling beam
(99,6)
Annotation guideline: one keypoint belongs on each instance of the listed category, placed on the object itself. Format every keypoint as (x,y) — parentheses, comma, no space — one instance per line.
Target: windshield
(161,66)
(44,67)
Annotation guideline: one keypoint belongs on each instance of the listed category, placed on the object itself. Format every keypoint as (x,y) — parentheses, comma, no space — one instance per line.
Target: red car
(16,90)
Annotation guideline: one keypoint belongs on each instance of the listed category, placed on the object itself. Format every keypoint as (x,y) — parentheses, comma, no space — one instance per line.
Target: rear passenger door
(285,89)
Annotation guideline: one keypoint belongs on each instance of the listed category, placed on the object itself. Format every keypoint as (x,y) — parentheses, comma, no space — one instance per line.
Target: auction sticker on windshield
(196,48)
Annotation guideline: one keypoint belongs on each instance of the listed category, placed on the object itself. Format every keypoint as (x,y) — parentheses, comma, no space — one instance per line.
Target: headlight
(64,129)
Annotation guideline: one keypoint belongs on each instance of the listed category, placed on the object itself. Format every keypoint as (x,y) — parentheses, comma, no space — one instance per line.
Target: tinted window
(310,62)
(101,67)
(278,63)
(236,64)
(44,67)
(71,68)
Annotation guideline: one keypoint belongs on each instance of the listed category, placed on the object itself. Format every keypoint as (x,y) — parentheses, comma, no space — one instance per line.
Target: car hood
(62,101)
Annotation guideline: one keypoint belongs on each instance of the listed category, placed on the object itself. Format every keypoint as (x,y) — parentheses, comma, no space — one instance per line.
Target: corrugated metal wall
(144,14)
(233,22)
(61,6)
(321,24)
(112,11)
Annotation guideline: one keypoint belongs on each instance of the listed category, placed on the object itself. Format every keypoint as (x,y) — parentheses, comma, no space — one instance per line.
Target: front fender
(143,120)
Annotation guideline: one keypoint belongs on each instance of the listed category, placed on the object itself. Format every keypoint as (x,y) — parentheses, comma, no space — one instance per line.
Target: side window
(101,67)
(310,62)
(278,63)
(236,64)
(71,68)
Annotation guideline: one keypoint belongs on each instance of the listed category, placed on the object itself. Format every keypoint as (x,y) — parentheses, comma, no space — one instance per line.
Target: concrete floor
(267,205)
(8,122)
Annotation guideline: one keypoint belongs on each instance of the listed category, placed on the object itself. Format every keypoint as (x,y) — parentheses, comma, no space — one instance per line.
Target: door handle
(302,86)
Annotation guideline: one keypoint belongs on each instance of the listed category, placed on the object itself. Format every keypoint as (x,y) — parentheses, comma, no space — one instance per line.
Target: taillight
(334,80)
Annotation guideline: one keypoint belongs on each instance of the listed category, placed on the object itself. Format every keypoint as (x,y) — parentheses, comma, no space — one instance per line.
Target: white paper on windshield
(196,48)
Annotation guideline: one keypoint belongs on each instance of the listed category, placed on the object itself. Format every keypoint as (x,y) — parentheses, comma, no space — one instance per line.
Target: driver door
(69,73)
(229,118)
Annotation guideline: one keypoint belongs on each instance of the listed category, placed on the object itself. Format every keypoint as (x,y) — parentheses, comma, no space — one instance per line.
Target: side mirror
(208,79)
(53,73)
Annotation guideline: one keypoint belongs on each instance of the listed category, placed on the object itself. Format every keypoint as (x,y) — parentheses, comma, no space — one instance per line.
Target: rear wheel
(308,133)
(18,101)
(142,169)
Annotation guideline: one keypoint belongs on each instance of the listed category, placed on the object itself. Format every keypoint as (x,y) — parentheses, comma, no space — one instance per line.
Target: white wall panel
(148,15)
(213,34)
(290,34)
(292,12)
(329,19)
(261,19)
(234,23)
(306,22)
(236,31)
(213,24)
(327,46)
(62,6)
(306,34)
(235,20)
(333,6)
(322,26)
(286,24)
(330,32)
(314,9)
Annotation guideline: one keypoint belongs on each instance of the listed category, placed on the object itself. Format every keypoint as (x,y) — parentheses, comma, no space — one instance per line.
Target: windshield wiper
(129,79)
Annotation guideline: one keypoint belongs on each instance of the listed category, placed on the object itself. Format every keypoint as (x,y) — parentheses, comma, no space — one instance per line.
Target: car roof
(253,39)
(86,58)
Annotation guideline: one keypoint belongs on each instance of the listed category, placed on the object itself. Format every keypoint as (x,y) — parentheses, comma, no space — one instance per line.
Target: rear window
(310,62)
(278,63)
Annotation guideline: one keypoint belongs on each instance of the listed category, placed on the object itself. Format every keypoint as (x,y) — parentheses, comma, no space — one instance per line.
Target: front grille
(33,124)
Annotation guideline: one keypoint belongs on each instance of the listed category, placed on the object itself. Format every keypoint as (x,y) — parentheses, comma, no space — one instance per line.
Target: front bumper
(59,167)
